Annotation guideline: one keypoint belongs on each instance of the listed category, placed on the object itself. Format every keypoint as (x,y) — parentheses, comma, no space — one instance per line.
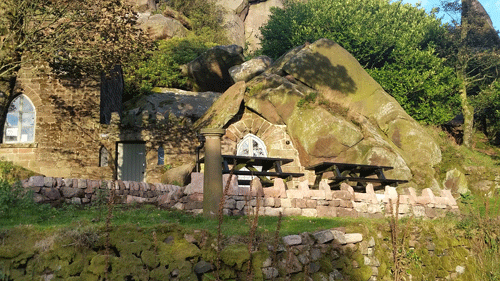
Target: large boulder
(160,27)
(258,15)
(180,103)
(333,111)
(249,69)
(235,29)
(210,71)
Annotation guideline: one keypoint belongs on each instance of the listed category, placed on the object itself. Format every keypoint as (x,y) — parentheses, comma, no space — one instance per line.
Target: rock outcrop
(210,71)
(333,111)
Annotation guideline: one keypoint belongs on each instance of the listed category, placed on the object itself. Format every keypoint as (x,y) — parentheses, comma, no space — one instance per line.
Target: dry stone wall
(322,202)
(242,200)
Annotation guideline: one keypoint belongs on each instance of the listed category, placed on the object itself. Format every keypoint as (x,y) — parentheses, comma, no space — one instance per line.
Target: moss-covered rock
(235,255)
(333,110)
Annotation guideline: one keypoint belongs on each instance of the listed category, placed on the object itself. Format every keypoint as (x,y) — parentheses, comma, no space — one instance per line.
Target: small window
(251,145)
(161,156)
(103,157)
(19,125)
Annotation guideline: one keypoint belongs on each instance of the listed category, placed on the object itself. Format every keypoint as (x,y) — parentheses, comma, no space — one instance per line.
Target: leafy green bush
(13,197)
(206,17)
(163,68)
(487,105)
(421,83)
(394,41)
(13,173)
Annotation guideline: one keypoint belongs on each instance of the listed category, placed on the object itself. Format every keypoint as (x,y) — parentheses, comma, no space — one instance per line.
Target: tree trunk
(468,113)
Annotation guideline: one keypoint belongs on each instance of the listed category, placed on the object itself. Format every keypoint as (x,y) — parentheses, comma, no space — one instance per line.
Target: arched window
(103,157)
(161,155)
(19,126)
(251,145)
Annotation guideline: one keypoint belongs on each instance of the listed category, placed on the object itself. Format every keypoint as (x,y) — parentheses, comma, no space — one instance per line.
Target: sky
(492,7)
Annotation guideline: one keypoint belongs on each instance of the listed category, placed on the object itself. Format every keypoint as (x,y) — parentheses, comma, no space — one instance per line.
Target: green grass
(44,216)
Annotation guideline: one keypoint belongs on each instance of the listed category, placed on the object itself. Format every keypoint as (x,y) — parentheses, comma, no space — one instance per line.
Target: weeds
(109,216)
(398,239)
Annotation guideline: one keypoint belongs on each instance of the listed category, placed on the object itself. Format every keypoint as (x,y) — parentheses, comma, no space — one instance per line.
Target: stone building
(75,128)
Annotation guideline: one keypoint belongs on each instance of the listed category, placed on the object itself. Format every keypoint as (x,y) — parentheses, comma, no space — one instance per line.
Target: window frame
(23,98)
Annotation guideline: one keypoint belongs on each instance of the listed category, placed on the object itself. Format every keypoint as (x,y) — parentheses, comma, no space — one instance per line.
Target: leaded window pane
(12,119)
(28,119)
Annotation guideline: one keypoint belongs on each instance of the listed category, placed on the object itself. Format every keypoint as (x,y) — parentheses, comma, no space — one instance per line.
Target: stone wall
(83,191)
(241,200)
(66,135)
(278,142)
(322,202)
(69,134)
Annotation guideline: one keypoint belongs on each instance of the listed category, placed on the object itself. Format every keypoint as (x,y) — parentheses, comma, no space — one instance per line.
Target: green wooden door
(131,161)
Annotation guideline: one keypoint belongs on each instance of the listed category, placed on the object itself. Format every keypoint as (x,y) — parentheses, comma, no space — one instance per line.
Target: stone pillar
(212,184)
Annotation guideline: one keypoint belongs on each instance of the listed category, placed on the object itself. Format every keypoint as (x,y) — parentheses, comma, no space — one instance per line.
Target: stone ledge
(19,145)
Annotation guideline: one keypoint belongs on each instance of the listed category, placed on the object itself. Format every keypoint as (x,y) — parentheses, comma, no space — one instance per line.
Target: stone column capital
(208,132)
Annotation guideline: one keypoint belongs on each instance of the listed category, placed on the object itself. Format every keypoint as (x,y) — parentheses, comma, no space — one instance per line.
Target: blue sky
(491,6)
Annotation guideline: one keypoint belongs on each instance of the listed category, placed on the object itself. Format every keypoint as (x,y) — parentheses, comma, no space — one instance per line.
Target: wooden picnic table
(262,167)
(361,174)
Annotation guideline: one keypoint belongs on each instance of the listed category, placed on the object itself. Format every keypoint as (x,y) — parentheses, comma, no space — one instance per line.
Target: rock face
(250,69)
(161,27)
(244,18)
(210,71)
(333,111)
(177,102)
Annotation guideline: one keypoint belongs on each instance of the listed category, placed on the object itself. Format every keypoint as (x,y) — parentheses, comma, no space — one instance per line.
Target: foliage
(163,68)
(473,50)
(76,38)
(205,16)
(421,83)
(487,105)
(13,197)
(13,173)
(393,41)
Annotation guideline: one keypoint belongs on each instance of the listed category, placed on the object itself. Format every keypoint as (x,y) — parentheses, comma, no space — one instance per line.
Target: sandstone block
(353,237)
(347,212)
(342,194)
(291,240)
(48,182)
(335,203)
(300,203)
(52,194)
(294,193)
(324,236)
(311,203)
(269,211)
(346,204)
(292,211)
(37,181)
(69,192)
(286,203)
(326,211)
(309,213)
(317,194)
(339,236)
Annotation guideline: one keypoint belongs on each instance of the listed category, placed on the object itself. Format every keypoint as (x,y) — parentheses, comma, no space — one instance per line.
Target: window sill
(19,145)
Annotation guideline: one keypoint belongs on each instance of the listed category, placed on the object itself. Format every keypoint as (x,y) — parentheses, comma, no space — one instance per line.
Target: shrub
(163,68)
(393,41)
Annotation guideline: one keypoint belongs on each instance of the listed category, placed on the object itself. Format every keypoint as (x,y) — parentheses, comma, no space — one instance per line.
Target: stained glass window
(19,126)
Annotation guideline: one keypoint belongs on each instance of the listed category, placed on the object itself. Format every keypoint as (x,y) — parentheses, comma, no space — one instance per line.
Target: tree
(474,53)
(74,38)
(395,42)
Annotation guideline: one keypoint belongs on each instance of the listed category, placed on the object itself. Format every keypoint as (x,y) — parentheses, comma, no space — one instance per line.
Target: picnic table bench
(256,166)
(359,173)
